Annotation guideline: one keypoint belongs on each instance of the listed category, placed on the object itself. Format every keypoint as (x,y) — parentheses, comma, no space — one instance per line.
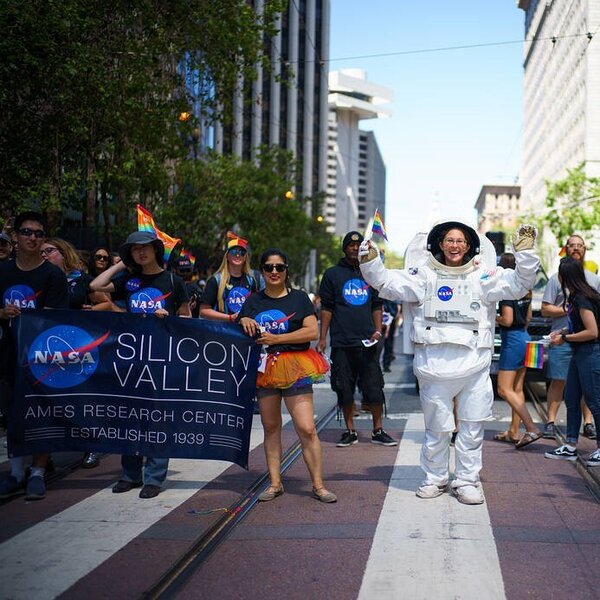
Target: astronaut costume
(453,312)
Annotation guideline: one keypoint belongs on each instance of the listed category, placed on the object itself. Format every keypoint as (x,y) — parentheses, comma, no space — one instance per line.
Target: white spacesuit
(452,296)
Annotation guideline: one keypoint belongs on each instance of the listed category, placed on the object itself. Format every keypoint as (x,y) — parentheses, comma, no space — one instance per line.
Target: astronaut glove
(524,238)
(367,251)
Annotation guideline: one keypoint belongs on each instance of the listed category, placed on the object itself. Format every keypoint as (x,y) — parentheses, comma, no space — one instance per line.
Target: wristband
(564,337)
(232,317)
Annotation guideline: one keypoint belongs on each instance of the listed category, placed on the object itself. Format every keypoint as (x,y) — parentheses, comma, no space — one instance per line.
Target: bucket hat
(141,237)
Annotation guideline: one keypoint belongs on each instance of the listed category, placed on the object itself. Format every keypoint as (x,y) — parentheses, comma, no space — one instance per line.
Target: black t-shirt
(574,315)
(279,315)
(351,301)
(42,287)
(520,312)
(147,293)
(237,290)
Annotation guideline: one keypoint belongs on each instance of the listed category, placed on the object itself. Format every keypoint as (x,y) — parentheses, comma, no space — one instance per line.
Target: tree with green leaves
(91,94)
(573,204)
(218,194)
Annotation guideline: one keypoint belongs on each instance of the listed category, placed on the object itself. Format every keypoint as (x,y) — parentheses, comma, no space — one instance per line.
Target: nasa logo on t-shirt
(356,292)
(274,321)
(133,284)
(445,293)
(236,298)
(64,356)
(20,295)
(147,300)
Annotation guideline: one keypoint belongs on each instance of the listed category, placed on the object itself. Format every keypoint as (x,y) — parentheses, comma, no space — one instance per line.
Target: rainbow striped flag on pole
(378,227)
(534,355)
(146,223)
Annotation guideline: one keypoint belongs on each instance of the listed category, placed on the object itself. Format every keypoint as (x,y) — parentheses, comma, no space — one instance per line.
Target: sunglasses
(26,232)
(48,251)
(101,257)
(279,267)
(237,252)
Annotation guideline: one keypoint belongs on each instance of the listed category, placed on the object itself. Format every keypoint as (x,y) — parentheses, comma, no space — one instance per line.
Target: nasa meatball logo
(445,293)
(20,295)
(64,356)
(274,321)
(133,285)
(355,292)
(147,300)
(236,297)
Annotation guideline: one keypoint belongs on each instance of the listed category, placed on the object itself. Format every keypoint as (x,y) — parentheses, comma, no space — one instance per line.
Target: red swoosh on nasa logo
(284,319)
(82,349)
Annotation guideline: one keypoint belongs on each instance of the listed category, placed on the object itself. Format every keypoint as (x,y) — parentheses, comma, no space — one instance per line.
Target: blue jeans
(583,378)
(155,471)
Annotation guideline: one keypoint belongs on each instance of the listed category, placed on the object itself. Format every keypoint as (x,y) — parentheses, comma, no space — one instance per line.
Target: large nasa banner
(132,384)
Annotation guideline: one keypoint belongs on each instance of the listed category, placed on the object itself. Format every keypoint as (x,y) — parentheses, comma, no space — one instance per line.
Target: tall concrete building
(355,169)
(288,106)
(561,113)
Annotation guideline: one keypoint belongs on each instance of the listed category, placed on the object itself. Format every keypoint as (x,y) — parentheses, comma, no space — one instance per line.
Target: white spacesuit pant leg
(468,452)
(437,401)
(474,407)
(435,456)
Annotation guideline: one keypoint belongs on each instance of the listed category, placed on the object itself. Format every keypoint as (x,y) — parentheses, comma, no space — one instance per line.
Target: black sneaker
(382,438)
(563,453)
(549,432)
(593,459)
(453,438)
(589,431)
(348,438)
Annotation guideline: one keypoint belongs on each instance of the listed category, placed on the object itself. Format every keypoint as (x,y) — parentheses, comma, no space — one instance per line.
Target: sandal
(323,495)
(271,493)
(505,436)
(528,438)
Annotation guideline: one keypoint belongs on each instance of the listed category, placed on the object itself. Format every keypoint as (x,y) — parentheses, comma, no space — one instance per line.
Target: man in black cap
(351,312)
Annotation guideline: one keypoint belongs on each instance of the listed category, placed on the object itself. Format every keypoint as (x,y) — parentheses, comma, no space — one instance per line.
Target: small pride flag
(146,223)
(378,226)
(534,355)
(562,252)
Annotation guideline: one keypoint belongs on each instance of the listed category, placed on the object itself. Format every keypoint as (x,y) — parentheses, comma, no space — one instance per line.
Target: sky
(456,114)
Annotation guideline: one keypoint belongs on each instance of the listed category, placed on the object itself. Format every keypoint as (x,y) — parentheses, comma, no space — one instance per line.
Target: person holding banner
(62,254)
(227,290)
(512,320)
(147,288)
(27,282)
(582,305)
(283,320)
(452,295)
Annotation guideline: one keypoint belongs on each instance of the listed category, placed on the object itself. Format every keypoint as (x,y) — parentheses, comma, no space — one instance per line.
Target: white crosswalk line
(46,559)
(429,548)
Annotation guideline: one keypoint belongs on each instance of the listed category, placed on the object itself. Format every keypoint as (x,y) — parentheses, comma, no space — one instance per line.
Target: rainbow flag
(378,227)
(534,355)
(146,223)
(562,252)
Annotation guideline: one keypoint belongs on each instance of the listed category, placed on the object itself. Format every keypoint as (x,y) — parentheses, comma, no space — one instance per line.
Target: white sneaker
(593,459)
(469,494)
(430,490)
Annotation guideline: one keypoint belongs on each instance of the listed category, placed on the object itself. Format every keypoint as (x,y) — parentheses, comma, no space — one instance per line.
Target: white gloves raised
(524,238)
(367,251)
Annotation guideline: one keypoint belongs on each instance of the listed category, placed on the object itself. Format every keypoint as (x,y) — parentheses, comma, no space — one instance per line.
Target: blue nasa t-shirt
(148,293)
(280,315)
(351,301)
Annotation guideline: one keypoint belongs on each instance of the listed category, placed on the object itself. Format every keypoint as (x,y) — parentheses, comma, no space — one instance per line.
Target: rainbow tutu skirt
(287,369)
